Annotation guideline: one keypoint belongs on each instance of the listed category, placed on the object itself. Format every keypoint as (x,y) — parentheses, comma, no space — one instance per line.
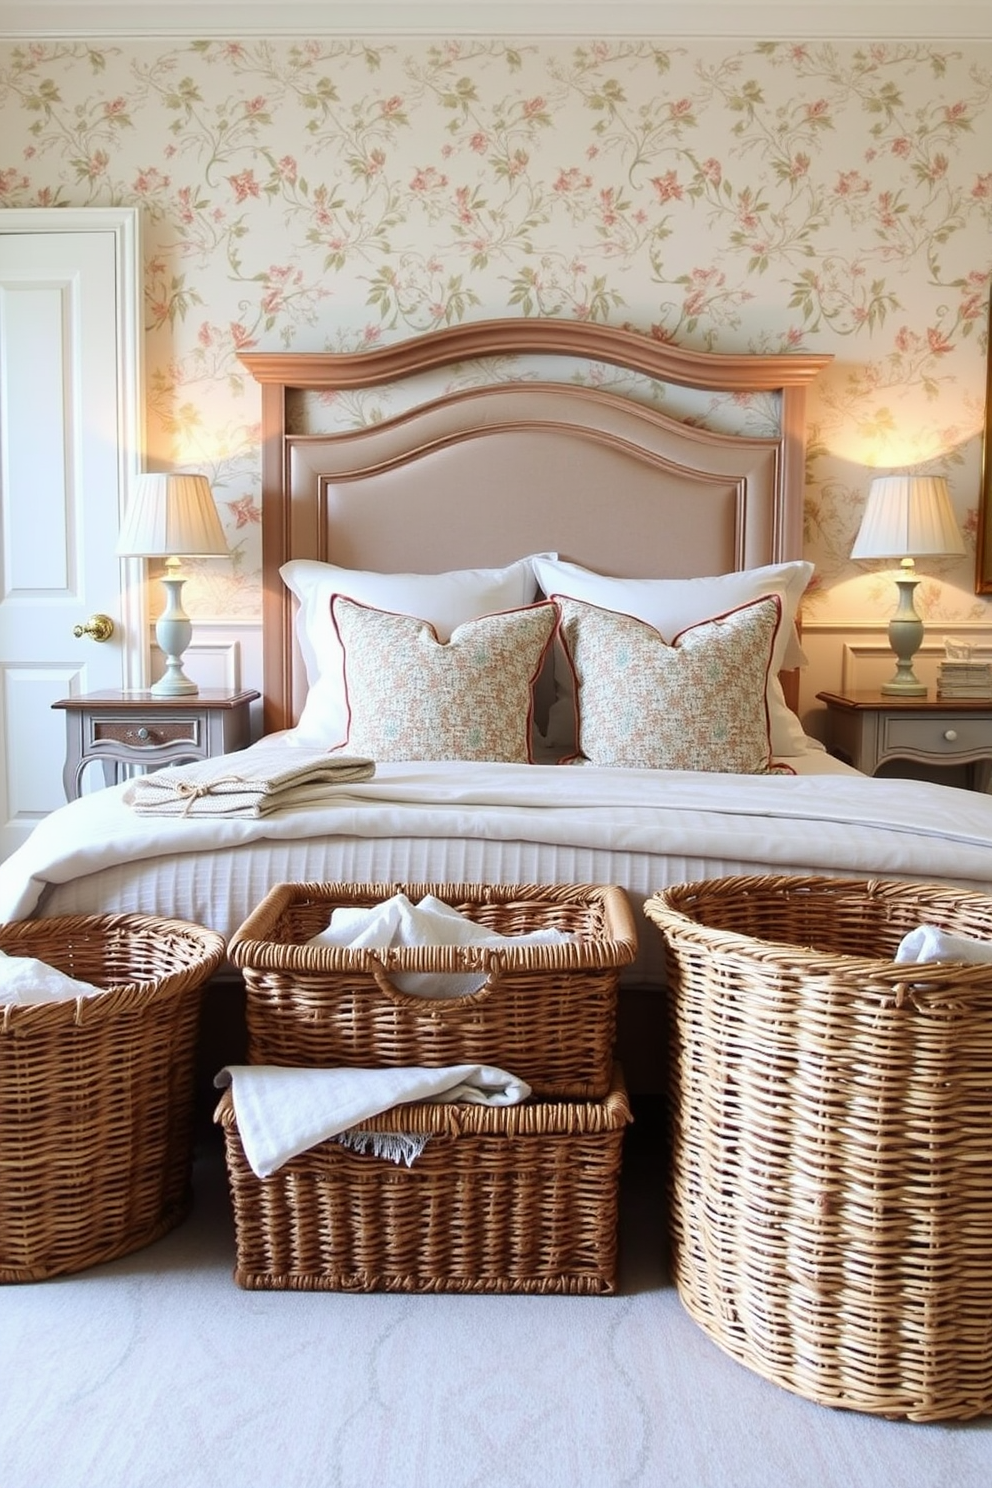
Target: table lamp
(172,517)
(907,517)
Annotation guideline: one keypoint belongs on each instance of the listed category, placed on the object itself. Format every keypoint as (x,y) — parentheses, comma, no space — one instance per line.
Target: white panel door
(69,446)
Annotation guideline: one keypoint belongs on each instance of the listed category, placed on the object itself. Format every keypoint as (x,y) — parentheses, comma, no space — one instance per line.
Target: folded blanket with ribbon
(283,1111)
(430,922)
(254,785)
(25,980)
(929,943)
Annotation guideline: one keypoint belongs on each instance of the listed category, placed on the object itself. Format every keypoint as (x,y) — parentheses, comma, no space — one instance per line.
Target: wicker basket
(832,1138)
(96,1094)
(547,1012)
(502,1199)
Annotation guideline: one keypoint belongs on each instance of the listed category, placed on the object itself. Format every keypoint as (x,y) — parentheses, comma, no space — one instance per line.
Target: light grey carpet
(157,1371)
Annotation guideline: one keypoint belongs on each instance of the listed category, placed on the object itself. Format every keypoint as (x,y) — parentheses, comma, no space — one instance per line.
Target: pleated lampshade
(908,516)
(172,516)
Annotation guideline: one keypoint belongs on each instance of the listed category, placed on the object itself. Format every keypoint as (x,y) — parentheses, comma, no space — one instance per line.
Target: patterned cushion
(414,697)
(697,704)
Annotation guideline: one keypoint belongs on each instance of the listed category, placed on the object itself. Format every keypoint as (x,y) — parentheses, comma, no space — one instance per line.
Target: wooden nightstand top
(146,701)
(854,702)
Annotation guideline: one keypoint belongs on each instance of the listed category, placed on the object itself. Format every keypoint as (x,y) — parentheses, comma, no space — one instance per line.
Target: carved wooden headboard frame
(283,373)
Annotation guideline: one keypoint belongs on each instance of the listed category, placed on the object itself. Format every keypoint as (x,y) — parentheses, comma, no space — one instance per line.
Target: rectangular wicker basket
(502,1199)
(547,1013)
(831,1174)
(96,1093)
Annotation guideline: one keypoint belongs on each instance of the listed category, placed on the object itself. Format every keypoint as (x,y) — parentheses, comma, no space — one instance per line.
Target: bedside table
(869,728)
(136,728)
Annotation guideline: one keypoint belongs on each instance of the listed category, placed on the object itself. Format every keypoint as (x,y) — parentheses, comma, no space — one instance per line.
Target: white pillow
(672,606)
(444,600)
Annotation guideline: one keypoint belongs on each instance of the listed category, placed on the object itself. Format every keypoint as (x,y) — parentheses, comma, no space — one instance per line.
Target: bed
(611,476)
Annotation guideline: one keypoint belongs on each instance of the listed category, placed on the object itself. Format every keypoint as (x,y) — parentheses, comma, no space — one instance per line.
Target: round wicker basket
(96,1093)
(831,1173)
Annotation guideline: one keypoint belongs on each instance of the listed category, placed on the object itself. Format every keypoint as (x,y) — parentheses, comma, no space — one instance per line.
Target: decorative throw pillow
(697,704)
(445,600)
(670,606)
(411,696)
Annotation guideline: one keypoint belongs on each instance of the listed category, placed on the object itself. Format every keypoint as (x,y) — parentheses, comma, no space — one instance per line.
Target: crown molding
(793,20)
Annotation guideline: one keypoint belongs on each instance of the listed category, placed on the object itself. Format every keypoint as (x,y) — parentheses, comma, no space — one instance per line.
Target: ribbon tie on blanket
(255,782)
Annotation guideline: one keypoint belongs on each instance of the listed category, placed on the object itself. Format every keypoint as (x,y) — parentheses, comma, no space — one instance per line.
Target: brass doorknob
(100,627)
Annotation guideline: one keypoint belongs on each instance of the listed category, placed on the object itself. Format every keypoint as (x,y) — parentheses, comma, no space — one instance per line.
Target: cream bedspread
(835,823)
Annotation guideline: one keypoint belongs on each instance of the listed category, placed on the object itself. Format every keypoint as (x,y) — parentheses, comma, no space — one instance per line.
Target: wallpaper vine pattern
(331,193)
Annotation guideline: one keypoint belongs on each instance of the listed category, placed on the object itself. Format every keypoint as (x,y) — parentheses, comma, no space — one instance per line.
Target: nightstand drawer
(146,733)
(954,736)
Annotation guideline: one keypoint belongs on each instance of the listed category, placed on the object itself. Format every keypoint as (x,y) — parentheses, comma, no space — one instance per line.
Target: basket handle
(492,966)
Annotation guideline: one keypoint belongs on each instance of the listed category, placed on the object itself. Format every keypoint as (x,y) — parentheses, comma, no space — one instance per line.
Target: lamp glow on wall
(172,517)
(907,517)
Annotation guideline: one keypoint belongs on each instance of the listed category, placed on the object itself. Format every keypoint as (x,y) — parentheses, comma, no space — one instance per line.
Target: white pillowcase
(672,606)
(444,600)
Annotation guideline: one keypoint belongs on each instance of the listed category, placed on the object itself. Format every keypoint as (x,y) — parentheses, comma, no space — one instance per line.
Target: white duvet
(836,823)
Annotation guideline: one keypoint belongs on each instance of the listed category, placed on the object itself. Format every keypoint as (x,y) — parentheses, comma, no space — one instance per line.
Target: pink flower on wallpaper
(373,163)
(817,110)
(937,342)
(288,169)
(114,107)
(982,189)
(255,105)
(712,171)
(11,181)
(241,337)
(938,168)
(902,146)
(667,187)
(570,180)
(245,511)
(680,108)
(428,179)
(851,183)
(534,106)
(150,181)
(391,105)
(205,335)
(479,142)
(245,185)
(97,165)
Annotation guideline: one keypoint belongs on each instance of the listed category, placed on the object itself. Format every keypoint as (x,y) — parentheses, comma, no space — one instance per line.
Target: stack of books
(964,679)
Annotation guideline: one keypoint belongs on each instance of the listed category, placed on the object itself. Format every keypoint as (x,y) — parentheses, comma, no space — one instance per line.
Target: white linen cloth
(397,921)
(930,943)
(284,1111)
(249,783)
(24,981)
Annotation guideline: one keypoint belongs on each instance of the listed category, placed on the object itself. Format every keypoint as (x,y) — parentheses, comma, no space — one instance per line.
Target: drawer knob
(142,734)
(950,735)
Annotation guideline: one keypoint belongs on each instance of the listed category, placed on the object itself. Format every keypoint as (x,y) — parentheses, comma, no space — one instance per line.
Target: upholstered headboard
(475,445)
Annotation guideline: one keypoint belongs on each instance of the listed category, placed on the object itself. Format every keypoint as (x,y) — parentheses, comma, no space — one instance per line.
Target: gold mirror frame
(983,537)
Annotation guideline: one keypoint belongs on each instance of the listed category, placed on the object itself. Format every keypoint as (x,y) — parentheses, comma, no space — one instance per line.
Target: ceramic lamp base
(173,632)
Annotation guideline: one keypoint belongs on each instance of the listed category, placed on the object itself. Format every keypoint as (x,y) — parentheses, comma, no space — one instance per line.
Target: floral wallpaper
(332,193)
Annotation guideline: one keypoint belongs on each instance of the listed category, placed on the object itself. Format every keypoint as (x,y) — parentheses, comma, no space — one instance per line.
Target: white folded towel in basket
(929,943)
(284,1111)
(253,784)
(431,922)
(24,981)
